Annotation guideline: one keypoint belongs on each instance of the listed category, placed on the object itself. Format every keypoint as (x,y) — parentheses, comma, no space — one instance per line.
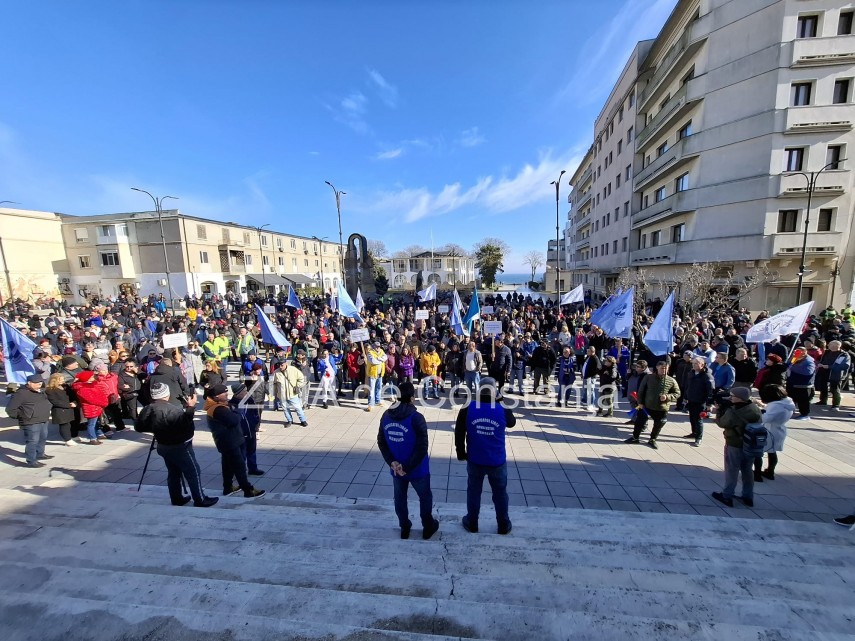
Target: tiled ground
(556,457)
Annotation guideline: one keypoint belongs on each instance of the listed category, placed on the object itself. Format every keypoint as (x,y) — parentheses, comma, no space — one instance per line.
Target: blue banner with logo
(17,354)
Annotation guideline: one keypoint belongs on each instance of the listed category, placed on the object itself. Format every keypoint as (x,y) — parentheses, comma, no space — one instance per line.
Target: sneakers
(229,491)
(405,530)
(802,418)
(208,501)
(368,408)
(184,500)
(71,443)
(652,444)
(632,439)
(45,457)
(254,493)
(846,521)
(35,464)
(94,442)
(286,424)
(429,530)
(469,526)
(721,498)
(697,443)
(256,472)
(748,502)
(689,436)
(506,527)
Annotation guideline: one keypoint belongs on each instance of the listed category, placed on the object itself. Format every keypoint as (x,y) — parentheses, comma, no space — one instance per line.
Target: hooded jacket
(775,418)
(734,420)
(400,413)
(224,424)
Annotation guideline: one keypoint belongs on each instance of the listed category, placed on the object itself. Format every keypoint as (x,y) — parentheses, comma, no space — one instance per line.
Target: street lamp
(158,206)
(261,251)
(338,195)
(557,184)
(811,181)
(321,252)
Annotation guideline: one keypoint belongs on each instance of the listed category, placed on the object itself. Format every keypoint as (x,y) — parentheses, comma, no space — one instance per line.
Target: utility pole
(557,184)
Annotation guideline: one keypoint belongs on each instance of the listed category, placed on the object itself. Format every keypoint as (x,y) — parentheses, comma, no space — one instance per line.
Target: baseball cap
(217,390)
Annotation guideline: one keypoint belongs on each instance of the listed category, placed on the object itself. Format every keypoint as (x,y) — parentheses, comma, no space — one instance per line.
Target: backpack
(754,439)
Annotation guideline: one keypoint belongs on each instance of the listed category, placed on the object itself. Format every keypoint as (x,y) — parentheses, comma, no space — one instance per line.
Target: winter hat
(95,364)
(237,388)
(217,390)
(777,360)
(742,393)
(85,376)
(68,360)
(159,391)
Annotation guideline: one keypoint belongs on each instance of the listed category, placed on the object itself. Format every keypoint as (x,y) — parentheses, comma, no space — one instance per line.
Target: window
(620,146)
(629,134)
(631,99)
(293,262)
(265,260)
(643,241)
(84,262)
(614,247)
(677,233)
(282,261)
(654,238)
(685,131)
(661,149)
(201,232)
(305,246)
(81,234)
(263,240)
(226,238)
(800,94)
(595,251)
(316,263)
(682,183)
(806,26)
(687,77)
(596,225)
(279,243)
(109,259)
(626,209)
(293,244)
(794,157)
(787,220)
(659,194)
(665,101)
(247,259)
(617,181)
(305,262)
(624,243)
(833,156)
(844,24)
(107,231)
(620,114)
(608,219)
(203,257)
(841,91)
(826,216)
(628,172)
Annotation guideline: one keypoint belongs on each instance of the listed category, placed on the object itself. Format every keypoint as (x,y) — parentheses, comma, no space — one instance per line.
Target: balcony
(679,203)
(692,40)
(818,119)
(677,156)
(680,104)
(584,199)
(819,243)
(582,264)
(821,52)
(584,242)
(585,177)
(829,183)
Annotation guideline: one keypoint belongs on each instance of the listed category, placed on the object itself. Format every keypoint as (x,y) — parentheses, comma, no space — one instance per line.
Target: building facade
(32,255)
(443,268)
(714,130)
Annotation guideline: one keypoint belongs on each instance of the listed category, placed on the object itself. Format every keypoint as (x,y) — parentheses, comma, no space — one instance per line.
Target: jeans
(832,387)
(294,404)
(233,465)
(736,462)
(35,437)
(472,380)
(92,428)
(429,385)
(374,386)
(498,477)
(591,392)
(250,443)
(518,375)
(695,419)
(180,462)
(422,488)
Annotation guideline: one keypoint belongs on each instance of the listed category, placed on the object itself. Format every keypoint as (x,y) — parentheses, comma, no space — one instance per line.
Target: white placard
(422,314)
(492,328)
(487,309)
(357,335)
(269,309)
(175,340)
(443,309)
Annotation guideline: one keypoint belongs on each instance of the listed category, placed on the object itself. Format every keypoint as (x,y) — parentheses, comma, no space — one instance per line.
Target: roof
(270,279)
(299,279)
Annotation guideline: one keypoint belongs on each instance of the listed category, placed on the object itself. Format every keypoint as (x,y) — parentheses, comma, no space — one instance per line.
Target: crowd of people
(103,365)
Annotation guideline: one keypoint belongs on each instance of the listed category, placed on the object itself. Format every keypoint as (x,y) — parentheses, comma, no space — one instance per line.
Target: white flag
(789,322)
(428,294)
(360,304)
(573,296)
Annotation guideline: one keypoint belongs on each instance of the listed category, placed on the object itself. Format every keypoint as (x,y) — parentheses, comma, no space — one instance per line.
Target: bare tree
(412,250)
(455,249)
(377,248)
(534,259)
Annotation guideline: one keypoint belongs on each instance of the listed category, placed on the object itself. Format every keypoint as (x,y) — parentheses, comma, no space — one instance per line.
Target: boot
(769,474)
(758,476)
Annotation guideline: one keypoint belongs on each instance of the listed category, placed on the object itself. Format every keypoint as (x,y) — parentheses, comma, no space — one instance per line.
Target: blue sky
(440,116)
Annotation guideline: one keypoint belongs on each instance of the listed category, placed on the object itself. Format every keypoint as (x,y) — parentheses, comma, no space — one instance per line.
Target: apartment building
(440,267)
(557,259)
(124,253)
(32,255)
(727,113)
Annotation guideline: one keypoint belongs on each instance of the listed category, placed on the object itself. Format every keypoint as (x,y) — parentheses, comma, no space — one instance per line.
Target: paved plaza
(557,457)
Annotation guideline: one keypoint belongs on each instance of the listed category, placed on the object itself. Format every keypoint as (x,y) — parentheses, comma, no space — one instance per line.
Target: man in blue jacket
(403,442)
(479,436)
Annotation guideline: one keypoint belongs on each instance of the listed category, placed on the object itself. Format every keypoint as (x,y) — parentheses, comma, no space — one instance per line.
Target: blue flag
(17,350)
(616,319)
(293,300)
(346,306)
(660,337)
(600,311)
(474,311)
(456,319)
(269,333)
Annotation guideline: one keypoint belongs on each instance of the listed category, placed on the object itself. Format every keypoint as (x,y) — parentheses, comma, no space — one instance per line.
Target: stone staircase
(99,561)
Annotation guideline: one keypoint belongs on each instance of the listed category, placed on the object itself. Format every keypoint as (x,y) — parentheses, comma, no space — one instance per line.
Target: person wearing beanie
(32,409)
(172,428)
(247,408)
(93,396)
(479,438)
(733,420)
(403,442)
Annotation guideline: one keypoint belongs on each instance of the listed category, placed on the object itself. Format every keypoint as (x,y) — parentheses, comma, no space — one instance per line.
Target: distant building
(32,255)
(440,267)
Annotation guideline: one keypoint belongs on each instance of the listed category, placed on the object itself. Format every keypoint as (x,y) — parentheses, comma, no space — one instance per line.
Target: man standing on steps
(32,409)
(656,393)
(172,428)
(224,423)
(403,442)
(479,436)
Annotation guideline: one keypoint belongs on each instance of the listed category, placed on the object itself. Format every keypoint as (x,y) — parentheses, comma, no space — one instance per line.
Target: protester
(32,409)
(699,395)
(655,395)
(62,409)
(778,408)
(733,420)
(288,383)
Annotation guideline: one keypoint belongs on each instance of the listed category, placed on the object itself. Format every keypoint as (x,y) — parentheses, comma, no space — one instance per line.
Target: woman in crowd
(62,409)
(211,376)
(779,409)
(406,365)
(608,382)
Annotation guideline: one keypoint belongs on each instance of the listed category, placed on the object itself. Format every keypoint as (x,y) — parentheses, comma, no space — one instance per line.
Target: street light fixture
(557,184)
(338,195)
(158,206)
(261,251)
(811,178)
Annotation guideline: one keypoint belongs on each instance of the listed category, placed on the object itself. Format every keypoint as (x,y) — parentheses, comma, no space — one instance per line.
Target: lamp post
(261,251)
(158,206)
(557,184)
(338,195)
(811,182)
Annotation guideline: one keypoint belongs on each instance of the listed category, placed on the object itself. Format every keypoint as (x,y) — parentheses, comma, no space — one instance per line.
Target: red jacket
(111,381)
(352,363)
(93,396)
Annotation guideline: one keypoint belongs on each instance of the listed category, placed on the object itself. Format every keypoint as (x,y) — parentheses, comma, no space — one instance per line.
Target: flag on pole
(270,334)
(791,321)
(474,311)
(576,295)
(429,293)
(293,300)
(660,337)
(17,351)
(360,304)
(456,318)
(616,320)
(600,311)
(346,306)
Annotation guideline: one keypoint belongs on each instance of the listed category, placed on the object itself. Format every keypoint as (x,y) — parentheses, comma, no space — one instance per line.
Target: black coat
(29,407)
(61,410)
(699,387)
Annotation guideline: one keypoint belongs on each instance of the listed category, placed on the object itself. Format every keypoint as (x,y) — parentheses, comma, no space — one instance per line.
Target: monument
(358,267)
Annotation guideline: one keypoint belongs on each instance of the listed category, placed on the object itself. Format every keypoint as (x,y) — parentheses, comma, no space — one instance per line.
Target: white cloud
(351,112)
(389,155)
(471,137)
(388,92)
(314,153)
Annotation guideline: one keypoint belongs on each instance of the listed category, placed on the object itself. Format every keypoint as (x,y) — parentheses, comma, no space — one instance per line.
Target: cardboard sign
(357,335)
(492,328)
(487,309)
(443,309)
(422,314)
(175,340)
(269,309)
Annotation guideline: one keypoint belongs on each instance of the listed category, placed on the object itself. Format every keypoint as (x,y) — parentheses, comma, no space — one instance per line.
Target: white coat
(775,421)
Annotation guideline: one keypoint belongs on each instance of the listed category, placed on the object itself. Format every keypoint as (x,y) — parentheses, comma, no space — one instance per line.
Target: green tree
(489,259)
(381,282)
